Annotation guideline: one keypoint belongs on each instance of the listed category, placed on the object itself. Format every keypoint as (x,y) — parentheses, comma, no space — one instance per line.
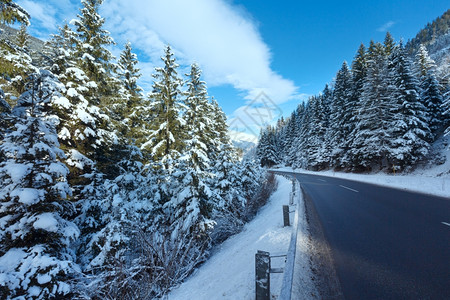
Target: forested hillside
(106,193)
(384,111)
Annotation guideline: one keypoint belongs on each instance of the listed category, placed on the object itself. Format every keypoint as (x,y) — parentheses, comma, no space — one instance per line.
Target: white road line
(321,180)
(349,189)
(445,223)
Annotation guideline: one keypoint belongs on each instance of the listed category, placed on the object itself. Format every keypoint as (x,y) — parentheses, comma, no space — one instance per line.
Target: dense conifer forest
(383,112)
(107,193)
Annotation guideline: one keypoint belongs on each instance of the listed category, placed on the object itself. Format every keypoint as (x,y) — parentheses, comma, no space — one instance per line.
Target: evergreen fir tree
(373,128)
(266,150)
(226,180)
(61,52)
(15,61)
(125,206)
(35,230)
(198,124)
(411,132)
(81,131)
(80,122)
(129,73)
(22,37)
(327,100)
(359,72)
(424,62)
(374,51)
(11,12)
(132,111)
(194,202)
(430,93)
(219,132)
(296,152)
(250,177)
(389,44)
(230,200)
(289,137)
(342,113)
(94,58)
(432,99)
(166,140)
(316,150)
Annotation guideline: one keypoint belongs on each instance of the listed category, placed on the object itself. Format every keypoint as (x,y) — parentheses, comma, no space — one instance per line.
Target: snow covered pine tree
(36,261)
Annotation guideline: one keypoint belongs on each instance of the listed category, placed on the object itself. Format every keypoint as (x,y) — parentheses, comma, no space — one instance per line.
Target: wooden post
(262,275)
(286,215)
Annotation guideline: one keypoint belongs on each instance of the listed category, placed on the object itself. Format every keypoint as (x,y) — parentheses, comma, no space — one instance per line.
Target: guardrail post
(286,215)
(292,194)
(262,275)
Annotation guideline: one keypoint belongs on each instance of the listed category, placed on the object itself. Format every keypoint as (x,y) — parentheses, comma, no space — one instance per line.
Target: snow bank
(230,273)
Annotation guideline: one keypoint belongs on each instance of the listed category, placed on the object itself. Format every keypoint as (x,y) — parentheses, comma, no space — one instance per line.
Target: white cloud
(217,35)
(386,26)
(42,13)
(46,15)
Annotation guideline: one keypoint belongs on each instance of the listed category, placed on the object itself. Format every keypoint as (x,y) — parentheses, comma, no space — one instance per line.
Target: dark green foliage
(342,113)
(130,109)
(266,150)
(93,57)
(378,116)
(430,90)
(411,124)
(11,12)
(166,140)
(74,134)
(35,232)
(389,44)
(22,37)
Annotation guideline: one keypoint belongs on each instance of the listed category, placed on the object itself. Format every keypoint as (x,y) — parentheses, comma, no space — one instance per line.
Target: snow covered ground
(230,272)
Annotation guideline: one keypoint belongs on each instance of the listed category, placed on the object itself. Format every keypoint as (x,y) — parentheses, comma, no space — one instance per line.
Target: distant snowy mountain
(244,141)
(244,145)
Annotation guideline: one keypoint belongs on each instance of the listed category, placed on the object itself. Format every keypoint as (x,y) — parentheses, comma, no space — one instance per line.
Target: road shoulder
(324,274)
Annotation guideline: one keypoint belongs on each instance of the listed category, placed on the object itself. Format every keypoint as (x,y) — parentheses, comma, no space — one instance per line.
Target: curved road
(385,243)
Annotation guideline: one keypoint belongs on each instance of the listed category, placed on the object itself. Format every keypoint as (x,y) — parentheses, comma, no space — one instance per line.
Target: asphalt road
(385,243)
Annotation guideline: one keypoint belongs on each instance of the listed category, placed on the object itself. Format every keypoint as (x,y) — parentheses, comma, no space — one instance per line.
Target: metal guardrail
(263,259)
(288,276)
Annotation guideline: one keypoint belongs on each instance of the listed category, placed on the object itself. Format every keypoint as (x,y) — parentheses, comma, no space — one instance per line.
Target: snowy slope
(230,273)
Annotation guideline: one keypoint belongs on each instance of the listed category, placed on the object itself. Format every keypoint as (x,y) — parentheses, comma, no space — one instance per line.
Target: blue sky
(260,58)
